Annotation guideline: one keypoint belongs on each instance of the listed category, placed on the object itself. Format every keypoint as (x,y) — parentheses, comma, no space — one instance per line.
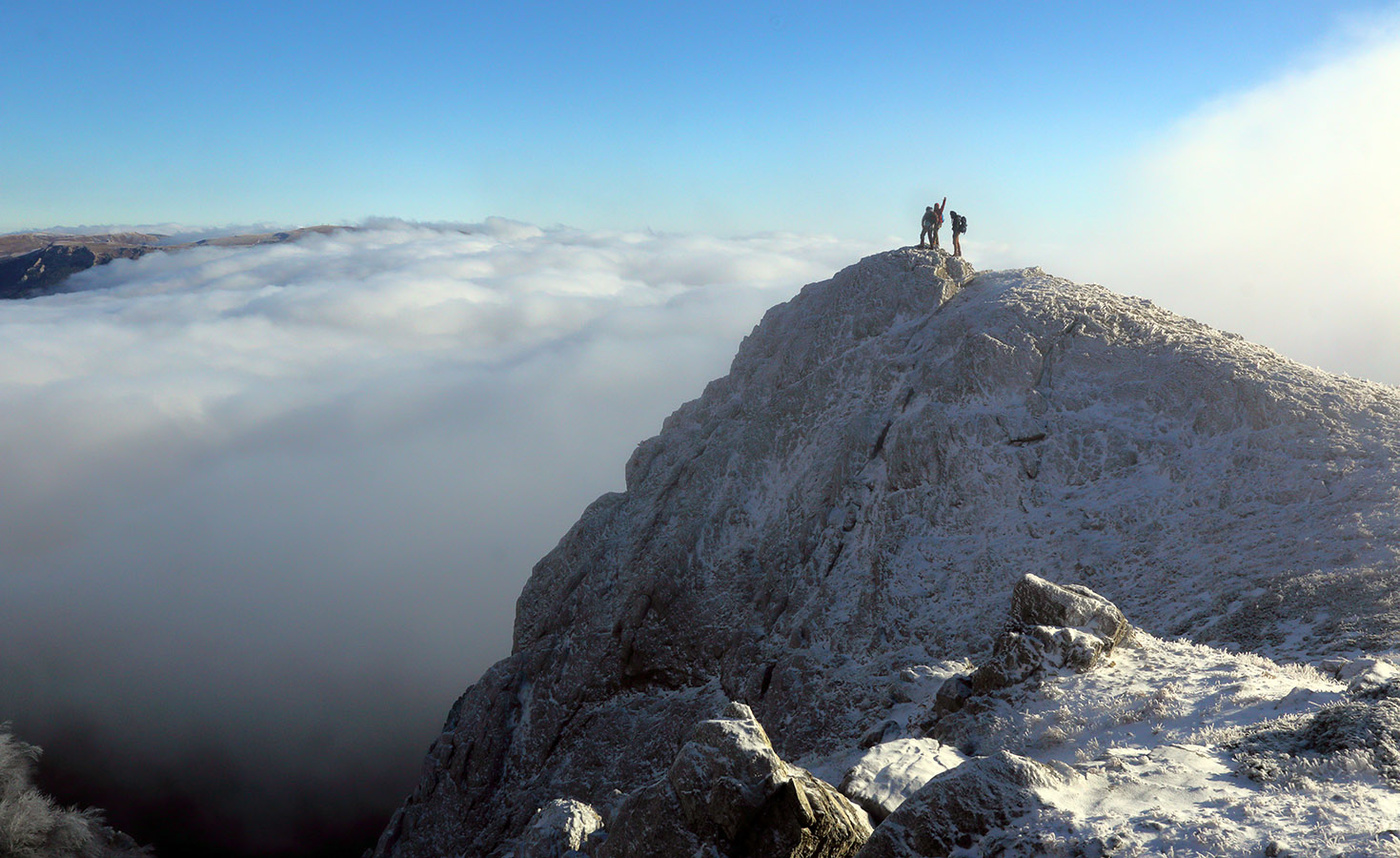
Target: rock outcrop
(891,451)
(561,829)
(728,794)
(888,773)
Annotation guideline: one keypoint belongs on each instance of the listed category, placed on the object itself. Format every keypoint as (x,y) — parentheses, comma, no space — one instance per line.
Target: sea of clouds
(266,511)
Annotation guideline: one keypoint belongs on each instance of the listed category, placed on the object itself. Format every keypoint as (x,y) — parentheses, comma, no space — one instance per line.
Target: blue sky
(720,118)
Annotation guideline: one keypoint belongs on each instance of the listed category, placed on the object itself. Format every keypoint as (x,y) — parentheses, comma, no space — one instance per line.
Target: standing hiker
(933,219)
(959,227)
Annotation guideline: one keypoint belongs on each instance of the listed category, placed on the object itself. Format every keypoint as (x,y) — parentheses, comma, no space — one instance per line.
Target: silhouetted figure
(933,219)
(959,227)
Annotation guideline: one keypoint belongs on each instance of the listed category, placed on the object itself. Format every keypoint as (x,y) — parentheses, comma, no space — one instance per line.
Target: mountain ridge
(891,450)
(33,264)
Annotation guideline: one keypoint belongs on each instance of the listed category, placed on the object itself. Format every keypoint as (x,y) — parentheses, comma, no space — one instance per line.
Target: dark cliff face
(42,271)
(35,264)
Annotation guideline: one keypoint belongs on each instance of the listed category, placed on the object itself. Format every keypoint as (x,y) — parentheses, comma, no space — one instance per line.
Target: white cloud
(246,491)
(1273,213)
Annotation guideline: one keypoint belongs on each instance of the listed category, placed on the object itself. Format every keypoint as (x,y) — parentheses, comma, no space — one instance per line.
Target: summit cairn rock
(729,794)
(1051,627)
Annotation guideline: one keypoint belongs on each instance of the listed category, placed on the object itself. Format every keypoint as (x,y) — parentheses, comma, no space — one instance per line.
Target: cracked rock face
(890,453)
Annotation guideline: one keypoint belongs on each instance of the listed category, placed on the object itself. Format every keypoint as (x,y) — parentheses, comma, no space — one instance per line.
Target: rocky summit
(897,549)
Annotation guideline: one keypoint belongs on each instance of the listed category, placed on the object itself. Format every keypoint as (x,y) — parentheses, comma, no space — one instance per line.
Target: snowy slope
(849,508)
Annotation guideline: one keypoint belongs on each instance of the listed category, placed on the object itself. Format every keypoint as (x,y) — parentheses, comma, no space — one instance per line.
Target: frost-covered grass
(33,826)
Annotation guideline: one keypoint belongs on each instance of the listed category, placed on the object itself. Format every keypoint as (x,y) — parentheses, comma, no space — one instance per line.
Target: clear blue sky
(724,118)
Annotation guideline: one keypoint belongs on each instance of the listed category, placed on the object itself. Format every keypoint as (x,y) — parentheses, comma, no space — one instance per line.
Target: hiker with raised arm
(933,219)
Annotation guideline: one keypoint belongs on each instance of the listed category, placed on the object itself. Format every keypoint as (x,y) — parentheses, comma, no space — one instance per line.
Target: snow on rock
(890,453)
(1037,602)
(959,806)
(560,829)
(890,772)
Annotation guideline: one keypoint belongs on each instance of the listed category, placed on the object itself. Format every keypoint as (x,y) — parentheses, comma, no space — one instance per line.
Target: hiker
(959,227)
(933,219)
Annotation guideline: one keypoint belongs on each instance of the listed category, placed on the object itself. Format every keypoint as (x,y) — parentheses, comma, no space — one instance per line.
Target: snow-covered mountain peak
(844,515)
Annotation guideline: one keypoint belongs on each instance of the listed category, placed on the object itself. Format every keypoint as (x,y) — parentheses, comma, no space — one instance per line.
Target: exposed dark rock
(35,264)
(40,272)
(728,794)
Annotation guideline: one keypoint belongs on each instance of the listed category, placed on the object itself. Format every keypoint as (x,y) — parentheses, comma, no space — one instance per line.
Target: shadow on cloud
(267,510)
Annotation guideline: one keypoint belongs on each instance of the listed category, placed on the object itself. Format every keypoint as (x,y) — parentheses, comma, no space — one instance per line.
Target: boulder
(889,773)
(559,829)
(729,794)
(956,808)
(1037,602)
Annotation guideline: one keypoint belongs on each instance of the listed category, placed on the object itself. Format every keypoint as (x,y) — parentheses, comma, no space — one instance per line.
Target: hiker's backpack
(959,223)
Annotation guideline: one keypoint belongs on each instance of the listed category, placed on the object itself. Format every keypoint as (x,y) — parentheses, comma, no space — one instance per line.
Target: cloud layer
(273,506)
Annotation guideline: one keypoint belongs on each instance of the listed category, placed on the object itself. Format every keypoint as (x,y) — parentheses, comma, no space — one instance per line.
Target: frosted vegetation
(33,826)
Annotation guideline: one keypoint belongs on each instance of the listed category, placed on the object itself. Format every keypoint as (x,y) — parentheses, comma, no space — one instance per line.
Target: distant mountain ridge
(890,452)
(37,263)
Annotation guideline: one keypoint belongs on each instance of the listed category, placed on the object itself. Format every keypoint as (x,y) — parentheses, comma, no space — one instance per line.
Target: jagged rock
(1052,627)
(560,829)
(1037,602)
(889,773)
(1018,655)
(951,696)
(725,772)
(805,818)
(961,805)
(728,794)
